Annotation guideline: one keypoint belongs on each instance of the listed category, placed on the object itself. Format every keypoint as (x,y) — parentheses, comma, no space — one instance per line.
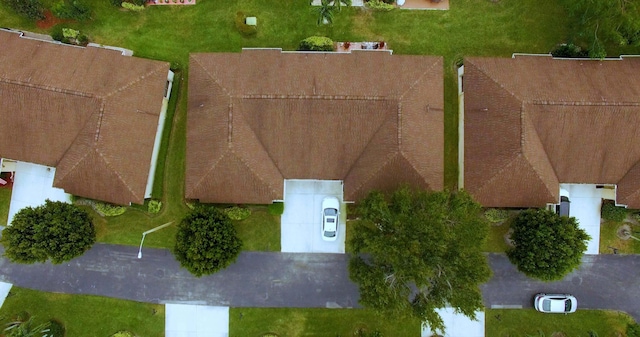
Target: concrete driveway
(457,325)
(32,185)
(586,201)
(301,222)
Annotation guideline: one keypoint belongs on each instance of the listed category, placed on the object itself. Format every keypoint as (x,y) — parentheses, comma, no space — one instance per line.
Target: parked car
(555,303)
(330,212)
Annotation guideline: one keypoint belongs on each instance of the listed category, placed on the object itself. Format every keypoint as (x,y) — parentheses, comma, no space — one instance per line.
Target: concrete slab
(186,320)
(32,185)
(586,201)
(4,291)
(458,325)
(302,219)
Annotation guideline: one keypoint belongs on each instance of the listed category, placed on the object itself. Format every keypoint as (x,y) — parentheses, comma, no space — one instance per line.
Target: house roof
(258,117)
(90,112)
(532,122)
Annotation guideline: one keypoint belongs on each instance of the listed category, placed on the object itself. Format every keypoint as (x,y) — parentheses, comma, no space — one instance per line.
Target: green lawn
(609,238)
(495,242)
(289,322)
(528,322)
(5,201)
(260,231)
(84,315)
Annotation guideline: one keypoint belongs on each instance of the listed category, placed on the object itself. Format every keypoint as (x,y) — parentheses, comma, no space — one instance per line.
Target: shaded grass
(288,322)
(260,231)
(609,238)
(5,202)
(528,322)
(84,315)
(495,241)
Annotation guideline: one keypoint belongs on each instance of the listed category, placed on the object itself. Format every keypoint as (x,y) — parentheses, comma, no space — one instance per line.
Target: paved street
(260,279)
(602,282)
(257,279)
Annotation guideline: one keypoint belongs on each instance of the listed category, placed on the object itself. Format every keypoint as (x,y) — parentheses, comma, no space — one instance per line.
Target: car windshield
(329,234)
(330,211)
(567,305)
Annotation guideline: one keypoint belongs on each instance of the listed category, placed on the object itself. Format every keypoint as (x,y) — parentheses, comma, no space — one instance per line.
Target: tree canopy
(55,230)
(206,241)
(600,22)
(547,246)
(418,251)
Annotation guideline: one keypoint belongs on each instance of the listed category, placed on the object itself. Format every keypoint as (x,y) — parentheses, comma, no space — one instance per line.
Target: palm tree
(325,12)
(20,328)
(338,4)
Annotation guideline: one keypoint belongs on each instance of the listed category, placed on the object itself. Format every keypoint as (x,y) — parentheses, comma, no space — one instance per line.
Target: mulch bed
(49,21)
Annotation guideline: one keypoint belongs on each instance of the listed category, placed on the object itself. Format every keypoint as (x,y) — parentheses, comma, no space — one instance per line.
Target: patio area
(424,4)
(347,47)
(171,2)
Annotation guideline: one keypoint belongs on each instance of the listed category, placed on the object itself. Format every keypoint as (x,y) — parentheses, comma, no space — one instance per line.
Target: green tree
(325,12)
(206,241)
(31,9)
(547,246)
(55,230)
(419,251)
(600,22)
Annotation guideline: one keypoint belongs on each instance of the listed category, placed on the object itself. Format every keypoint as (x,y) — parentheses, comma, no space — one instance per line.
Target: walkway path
(260,279)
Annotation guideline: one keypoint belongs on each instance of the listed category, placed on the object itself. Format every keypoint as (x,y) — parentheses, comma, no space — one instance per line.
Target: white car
(555,303)
(330,212)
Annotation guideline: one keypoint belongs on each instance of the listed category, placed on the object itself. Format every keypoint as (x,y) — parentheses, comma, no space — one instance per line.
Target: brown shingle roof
(261,116)
(532,122)
(89,112)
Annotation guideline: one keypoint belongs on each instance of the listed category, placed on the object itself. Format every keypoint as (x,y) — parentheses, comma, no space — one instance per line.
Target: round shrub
(277,208)
(105,209)
(316,43)
(154,206)
(206,241)
(379,5)
(613,213)
(56,328)
(58,35)
(569,50)
(237,213)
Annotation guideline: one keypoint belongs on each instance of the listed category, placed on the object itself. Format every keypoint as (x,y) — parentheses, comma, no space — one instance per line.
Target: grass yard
(5,201)
(289,322)
(84,315)
(260,231)
(495,242)
(528,322)
(609,239)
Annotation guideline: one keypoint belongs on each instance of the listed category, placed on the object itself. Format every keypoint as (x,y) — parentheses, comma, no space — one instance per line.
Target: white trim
(460,128)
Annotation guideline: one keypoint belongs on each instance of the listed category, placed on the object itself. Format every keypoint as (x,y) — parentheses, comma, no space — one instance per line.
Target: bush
(70,33)
(82,40)
(612,212)
(72,10)
(132,7)
(495,215)
(277,208)
(633,330)
(569,50)
(316,43)
(105,209)
(206,241)
(56,328)
(244,28)
(116,3)
(138,2)
(379,5)
(154,206)
(237,213)
(534,232)
(55,230)
(58,35)
(31,9)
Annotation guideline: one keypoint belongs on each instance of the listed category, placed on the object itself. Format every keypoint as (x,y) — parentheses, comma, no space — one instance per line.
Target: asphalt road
(257,279)
(261,279)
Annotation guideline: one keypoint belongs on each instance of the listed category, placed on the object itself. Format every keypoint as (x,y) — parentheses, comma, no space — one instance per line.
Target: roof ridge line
(576,103)
(329,97)
(206,71)
(498,83)
(419,79)
(499,172)
(135,81)
(366,147)
(48,88)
